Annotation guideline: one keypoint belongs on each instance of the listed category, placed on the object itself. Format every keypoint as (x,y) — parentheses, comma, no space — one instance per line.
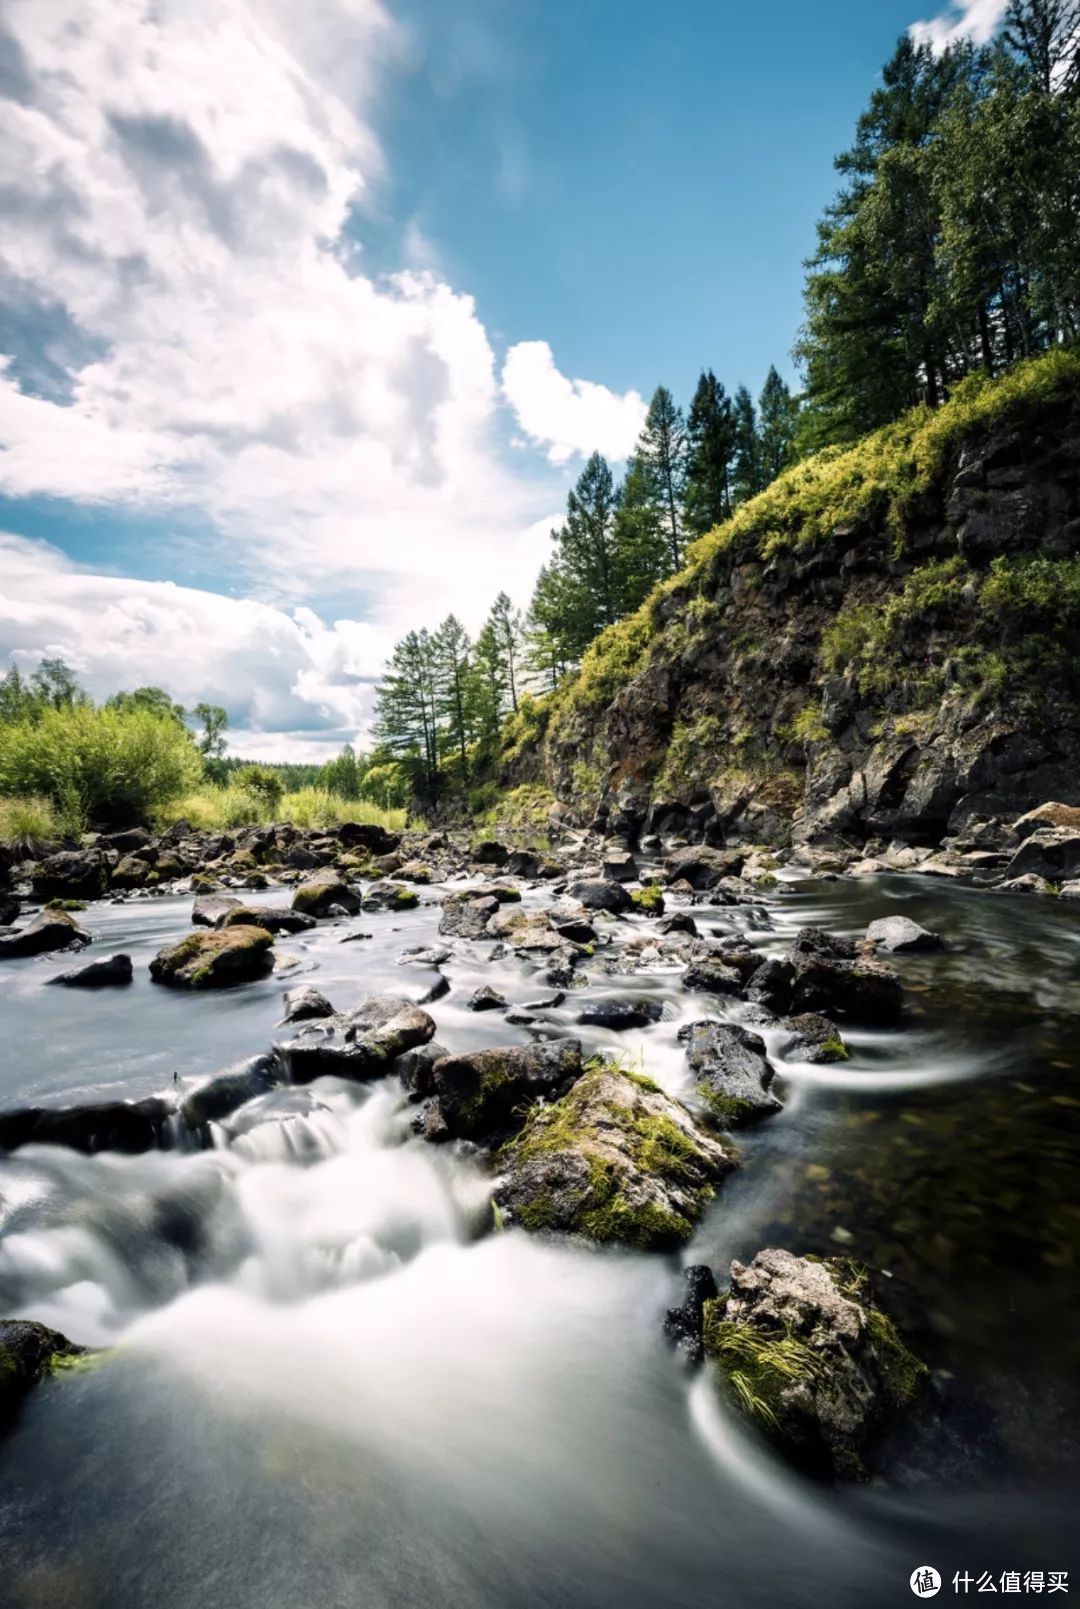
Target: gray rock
(388,896)
(831,977)
(620,866)
(360,1045)
(466,918)
(109,972)
(485,1092)
(274,918)
(71,874)
(710,975)
(209,910)
(600,894)
(315,897)
(486,999)
(306,1002)
(48,932)
(620,1014)
(27,1353)
(732,1072)
(900,935)
(1050,852)
(814,1039)
(226,1092)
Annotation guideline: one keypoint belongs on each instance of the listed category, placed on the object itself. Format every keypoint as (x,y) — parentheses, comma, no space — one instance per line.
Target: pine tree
(405,713)
(452,673)
(641,536)
(1045,36)
(746,471)
(661,457)
(777,419)
(549,630)
(710,432)
(506,627)
(17,702)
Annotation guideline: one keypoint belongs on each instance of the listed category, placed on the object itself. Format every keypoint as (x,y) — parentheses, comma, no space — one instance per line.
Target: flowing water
(331,1387)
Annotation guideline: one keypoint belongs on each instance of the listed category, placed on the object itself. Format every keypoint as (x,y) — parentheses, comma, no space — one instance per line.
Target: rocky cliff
(885,644)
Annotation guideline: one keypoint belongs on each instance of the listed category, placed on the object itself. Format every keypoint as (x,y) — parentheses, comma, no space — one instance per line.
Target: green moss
(758,1367)
(524,728)
(649,899)
(726,1111)
(806,728)
(67,905)
(833,1050)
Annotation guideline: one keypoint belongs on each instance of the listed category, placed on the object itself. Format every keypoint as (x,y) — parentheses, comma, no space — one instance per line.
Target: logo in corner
(925,1581)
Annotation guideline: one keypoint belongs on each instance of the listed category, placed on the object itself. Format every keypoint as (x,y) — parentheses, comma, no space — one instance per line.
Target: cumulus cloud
(184,190)
(977,20)
(294,687)
(568,417)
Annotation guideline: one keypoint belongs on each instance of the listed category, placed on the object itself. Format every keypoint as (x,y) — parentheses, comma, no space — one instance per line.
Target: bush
(214,809)
(111,767)
(35,820)
(264,783)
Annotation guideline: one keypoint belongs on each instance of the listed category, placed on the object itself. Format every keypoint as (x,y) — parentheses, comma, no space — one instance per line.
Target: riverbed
(334,1383)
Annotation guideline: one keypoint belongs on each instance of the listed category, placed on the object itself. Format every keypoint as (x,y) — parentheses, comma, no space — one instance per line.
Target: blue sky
(309,315)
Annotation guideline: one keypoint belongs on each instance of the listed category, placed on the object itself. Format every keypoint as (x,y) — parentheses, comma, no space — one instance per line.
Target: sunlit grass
(222,809)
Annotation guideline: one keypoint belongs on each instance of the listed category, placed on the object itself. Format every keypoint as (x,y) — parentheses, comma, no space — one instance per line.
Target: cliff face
(886,643)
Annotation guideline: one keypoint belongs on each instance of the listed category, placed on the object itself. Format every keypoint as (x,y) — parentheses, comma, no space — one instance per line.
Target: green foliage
(264,783)
(107,766)
(218,809)
(33,819)
(525,728)
(649,899)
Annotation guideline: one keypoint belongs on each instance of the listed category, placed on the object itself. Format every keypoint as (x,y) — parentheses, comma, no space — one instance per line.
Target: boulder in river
(490,853)
(110,972)
(620,866)
(806,1355)
(902,936)
(215,959)
(486,999)
(28,1352)
(703,867)
(710,974)
(732,1073)
(485,1093)
(615,1160)
(274,918)
(128,1126)
(48,932)
(832,977)
(464,917)
(218,1097)
(211,910)
(1050,852)
(358,1045)
(620,1014)
(306,1002)
(315,897)
(683,1324)
(814,1039)
(387,896)
(601,894)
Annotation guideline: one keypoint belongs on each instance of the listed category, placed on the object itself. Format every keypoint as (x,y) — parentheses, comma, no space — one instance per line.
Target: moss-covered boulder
(358,1045)
(274,918)
(832,975)
(731,1071)
(319,894)
(130,872)
(72,874)
(802,1350)
(648,900)
(48,932)
(388,896)
(215,959)
(615,1160)
(28,1352)
(814,1039)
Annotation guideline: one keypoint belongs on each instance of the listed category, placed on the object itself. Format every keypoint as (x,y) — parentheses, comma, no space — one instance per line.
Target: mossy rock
(28,1352)
(616,1161)
(801,1349)
(67,905)
(215,959)
(649,900)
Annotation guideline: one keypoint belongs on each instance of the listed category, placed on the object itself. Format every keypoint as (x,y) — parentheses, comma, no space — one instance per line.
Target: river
(331,1387)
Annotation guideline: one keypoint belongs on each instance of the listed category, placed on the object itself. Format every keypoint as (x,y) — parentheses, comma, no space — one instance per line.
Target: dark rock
(486,1091)
(599,894)
(436,990)
(770,985)
(364,836)
(387,896)
(702,867)
(464,917)
(619,1014)
(1050,852)
(683,1325)
(831,978)
(425,956)
(486,999)
(576,929)
(1046,815)
(490,853)
(28,1352)
(107,973)
(620,866)
(731,1070)
(10,905)
(615,1160)
(274,918)
(72,874)
(899,934)
(843,1374)
(127,1126)
(127,842)
(48,932)
(306,1002)
(226,1092)
(130,872)
(416,1069)
(215,959)
(524,863)
(678,922)
(710,975)
(814,1039)
(547,1002)
(211,909)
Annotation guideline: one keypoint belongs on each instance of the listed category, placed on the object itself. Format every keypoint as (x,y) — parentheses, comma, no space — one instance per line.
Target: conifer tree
(777,417)
(746,471)
(661,460)
(710,432)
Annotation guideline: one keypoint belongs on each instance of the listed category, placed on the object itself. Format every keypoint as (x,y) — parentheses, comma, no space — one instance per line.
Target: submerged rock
(615,1160)
(683,1325)
(110,972)
(901,935)
(215,959)
(732,1072)
(226,1092)
(48,932)
(804,1354)
(487,1092)
(28,1352)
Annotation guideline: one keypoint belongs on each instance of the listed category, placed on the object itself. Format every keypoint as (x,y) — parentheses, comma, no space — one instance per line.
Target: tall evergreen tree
(451,670)
(710,432)
(661,458)
(746,471)
(405,708)
(506,627)
(777,419)
(642,535)
(1045,36)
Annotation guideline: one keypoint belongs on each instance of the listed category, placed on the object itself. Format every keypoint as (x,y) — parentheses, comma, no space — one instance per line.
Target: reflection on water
(327,1390)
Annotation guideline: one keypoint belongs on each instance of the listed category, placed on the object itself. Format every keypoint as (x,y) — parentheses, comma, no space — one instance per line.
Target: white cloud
(294,687)
(182,187)
(568,417)
(977,20)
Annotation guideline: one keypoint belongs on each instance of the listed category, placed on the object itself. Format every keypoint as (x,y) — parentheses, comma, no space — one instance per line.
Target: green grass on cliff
(877,481)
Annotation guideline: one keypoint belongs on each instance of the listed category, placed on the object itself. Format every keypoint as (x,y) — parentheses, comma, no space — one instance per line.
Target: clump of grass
(220,809)
(31,818)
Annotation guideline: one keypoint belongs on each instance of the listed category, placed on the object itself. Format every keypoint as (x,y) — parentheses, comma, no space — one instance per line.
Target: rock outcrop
(216,958)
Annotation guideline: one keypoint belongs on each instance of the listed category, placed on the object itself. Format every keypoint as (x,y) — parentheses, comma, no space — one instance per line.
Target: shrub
(217,809)
(34,820)
(265,784)
(112,767)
